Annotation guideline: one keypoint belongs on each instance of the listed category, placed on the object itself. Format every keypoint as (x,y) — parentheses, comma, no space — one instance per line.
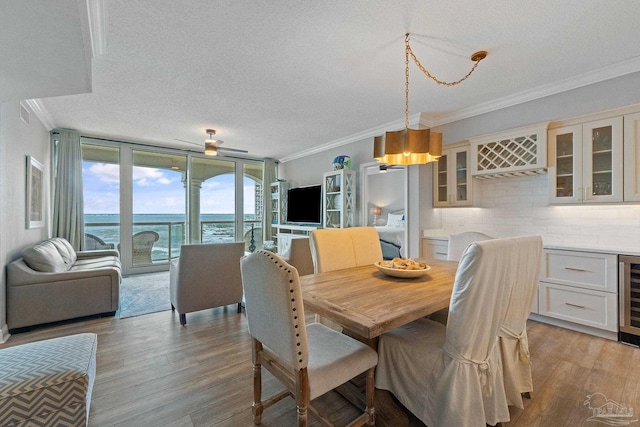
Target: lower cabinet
(579,290)
(435,248)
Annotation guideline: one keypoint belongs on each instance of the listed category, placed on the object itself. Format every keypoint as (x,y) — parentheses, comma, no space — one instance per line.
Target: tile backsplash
(520,206)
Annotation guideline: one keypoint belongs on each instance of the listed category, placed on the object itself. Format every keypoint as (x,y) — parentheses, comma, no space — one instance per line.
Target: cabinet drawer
(580,269)
(434,249)
(584,306)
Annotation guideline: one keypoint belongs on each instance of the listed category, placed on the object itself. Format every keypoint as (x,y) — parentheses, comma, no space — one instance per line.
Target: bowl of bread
(405,268)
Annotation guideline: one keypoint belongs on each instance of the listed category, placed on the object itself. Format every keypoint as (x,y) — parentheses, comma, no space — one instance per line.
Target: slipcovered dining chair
(205,276)
(309,359)
(299,256)
(514,345)
(142,245)
(338,248)
(452,375)
(459,242)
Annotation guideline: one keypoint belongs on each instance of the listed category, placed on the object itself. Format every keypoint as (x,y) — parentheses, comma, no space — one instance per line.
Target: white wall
(17,140)
(598,97)
(519,206)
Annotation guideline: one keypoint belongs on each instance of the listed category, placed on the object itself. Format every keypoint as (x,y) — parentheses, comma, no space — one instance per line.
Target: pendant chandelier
(415,146)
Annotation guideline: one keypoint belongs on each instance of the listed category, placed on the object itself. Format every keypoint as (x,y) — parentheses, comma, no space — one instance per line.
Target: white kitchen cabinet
(452,183)
(632,157)
(435,248)
(585,162)
(579,289)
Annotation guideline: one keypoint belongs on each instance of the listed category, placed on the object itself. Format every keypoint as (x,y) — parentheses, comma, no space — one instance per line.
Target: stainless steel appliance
(629,299)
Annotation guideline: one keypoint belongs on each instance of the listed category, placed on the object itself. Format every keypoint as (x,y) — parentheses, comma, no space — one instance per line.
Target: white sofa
(53,282)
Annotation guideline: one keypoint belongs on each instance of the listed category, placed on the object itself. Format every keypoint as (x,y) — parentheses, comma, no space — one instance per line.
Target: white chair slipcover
(514,347)
(452,376)
(299,256)
(459,242)
(310,359)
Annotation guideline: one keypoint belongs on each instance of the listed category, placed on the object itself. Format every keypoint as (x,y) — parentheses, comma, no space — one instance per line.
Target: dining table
(366,303)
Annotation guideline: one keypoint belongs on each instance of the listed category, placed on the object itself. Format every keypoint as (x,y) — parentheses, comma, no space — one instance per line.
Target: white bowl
(404,274)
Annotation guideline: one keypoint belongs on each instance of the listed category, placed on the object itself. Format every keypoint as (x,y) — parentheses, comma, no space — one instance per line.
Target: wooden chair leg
(257,407)
(183,319)
(370,410)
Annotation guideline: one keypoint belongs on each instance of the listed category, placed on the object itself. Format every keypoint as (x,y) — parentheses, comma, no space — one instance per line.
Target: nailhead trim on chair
(291,290)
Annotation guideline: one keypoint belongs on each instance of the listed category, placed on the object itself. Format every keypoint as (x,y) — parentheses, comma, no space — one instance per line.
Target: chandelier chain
(426,72)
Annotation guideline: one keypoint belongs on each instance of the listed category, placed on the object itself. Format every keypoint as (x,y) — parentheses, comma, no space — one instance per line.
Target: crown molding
(601,74)
(97,26)
(418,118)
(41,112)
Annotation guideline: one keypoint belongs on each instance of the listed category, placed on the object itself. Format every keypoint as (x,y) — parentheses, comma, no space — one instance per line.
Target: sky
(158,191)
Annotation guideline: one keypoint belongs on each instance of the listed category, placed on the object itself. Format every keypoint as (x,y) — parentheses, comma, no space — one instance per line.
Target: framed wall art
(35,211)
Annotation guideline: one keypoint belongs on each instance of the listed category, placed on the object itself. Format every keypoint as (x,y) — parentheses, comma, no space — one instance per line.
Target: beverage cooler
(629,299)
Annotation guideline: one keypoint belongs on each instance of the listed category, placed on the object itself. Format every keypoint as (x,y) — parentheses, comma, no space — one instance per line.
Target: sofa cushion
(44,257)
(66,251)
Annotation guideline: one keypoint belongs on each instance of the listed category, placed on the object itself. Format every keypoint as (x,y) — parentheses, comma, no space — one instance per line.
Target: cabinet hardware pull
(441,253)
(574,269)
(575,305)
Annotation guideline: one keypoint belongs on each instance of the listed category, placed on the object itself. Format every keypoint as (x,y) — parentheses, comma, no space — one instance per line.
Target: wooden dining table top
(369,303)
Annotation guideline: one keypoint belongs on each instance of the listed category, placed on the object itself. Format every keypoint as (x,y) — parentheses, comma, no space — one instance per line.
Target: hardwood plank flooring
(153,372)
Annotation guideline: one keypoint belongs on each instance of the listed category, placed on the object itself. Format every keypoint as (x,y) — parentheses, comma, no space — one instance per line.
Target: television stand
(287,232)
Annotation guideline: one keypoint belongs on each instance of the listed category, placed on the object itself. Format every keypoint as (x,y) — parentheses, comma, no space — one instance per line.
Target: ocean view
(170,228)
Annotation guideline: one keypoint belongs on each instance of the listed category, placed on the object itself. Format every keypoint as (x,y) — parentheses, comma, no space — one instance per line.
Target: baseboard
(575,327)
(4,334)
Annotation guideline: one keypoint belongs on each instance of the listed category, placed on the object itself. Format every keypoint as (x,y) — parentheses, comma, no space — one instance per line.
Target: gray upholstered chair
(309,359)
(299,256)
(142,245)
(206,276)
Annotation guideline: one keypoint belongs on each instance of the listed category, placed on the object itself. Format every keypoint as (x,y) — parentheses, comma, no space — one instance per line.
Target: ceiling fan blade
(188,142)
(232,149)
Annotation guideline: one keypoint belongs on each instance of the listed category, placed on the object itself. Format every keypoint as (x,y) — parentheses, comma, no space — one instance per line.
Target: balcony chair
(257,239)
(451,375)
(309,359)
(94,243)
(205,276)
(142,245)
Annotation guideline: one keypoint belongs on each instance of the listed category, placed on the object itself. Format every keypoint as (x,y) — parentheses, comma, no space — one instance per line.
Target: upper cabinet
(452,179)
(632,157)
(585,162)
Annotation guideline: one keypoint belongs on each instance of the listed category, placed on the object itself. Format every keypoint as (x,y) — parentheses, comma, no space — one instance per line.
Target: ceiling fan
(212,147)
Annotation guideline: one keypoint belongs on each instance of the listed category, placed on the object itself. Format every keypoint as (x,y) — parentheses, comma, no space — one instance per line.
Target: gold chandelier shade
(408,147)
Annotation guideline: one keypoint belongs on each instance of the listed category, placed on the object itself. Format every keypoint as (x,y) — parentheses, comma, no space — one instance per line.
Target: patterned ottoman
(48,383)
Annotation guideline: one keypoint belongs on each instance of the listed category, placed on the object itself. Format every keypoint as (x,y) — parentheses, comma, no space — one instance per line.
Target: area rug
(143,294)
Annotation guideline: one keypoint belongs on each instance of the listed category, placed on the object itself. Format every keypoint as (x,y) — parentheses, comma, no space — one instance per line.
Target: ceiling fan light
(210,148)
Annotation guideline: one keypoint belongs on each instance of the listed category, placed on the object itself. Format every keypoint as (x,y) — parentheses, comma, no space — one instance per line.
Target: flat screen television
(304,205)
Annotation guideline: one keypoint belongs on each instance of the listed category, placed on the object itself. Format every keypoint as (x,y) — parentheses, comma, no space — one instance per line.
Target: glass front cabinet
(452,179)
(585,162)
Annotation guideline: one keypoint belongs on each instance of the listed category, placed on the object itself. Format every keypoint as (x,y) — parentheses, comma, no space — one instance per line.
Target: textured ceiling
(282,77)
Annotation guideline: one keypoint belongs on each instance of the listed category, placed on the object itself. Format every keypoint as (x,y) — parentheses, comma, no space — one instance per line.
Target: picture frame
(35,207)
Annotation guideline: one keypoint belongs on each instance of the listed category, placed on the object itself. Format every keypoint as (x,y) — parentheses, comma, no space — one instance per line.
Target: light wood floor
(153,372)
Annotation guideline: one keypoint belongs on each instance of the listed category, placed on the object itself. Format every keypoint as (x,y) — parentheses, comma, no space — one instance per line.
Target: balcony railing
(172,234)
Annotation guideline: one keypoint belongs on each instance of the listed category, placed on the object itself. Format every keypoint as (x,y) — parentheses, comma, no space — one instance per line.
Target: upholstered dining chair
(451,375)
(338,248)
(514,345)
(142,245)
(205,276)
(459,242)
(299,255)
(309,359)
